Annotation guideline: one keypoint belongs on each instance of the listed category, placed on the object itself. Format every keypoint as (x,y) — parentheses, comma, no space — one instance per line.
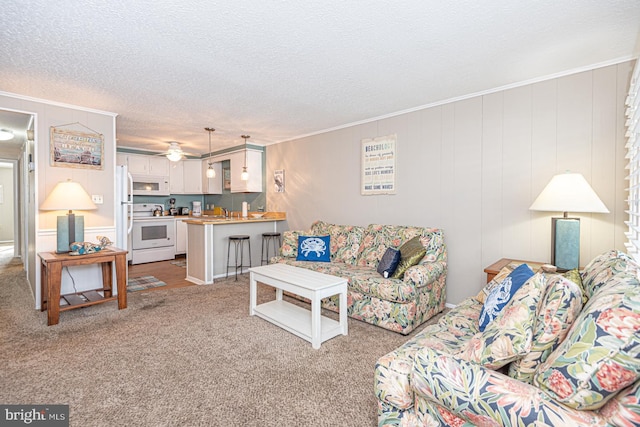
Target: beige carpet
(184,357)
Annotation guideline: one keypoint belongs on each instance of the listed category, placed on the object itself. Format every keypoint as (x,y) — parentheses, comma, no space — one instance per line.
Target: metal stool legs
(238,246)
(273,239)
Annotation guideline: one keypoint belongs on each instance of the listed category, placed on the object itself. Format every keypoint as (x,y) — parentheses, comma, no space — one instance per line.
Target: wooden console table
(51,277)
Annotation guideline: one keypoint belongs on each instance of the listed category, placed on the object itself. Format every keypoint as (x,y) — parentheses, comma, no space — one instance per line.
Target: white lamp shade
(68,195)
(211,172)
(568,192)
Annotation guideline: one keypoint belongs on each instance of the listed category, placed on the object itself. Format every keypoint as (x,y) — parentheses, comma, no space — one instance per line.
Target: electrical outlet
(97,199)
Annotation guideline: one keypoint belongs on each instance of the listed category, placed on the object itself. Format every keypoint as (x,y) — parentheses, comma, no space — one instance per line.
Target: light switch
(97,199)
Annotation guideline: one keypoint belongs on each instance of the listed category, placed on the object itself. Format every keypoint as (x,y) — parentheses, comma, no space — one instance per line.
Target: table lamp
(70,228)
(567,192)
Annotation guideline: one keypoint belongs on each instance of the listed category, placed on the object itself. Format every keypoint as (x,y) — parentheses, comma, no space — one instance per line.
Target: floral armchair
(549,360)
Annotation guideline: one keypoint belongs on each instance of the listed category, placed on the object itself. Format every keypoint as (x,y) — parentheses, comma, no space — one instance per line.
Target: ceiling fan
(174,152)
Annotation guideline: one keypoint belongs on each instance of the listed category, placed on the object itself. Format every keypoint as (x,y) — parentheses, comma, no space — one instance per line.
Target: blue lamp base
(69,230)
(565,243)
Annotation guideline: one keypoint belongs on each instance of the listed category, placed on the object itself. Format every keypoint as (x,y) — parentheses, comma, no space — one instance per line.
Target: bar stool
(238,243)
(273,239)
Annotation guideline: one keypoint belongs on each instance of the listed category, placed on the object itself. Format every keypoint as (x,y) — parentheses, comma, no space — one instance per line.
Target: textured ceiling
(279,70)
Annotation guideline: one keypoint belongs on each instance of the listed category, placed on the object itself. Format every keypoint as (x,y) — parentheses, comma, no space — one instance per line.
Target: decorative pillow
(575,277)
(601,354)
(508,337)
(411,252)
(314,248)
(502,294)
(560,306)
(502,274)
(389,262)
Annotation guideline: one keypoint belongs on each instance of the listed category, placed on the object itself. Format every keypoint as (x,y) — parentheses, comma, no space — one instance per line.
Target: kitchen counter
(207,242)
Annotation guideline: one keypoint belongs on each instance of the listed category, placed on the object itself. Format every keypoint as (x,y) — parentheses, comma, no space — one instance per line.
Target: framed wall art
(226,178)
(378,165)
(278,180)
(73,149)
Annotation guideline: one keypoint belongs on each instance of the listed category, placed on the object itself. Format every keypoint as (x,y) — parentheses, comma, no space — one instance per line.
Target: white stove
(153,238)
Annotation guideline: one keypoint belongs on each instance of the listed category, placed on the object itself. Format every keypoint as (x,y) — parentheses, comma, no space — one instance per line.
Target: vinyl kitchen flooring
(172,275)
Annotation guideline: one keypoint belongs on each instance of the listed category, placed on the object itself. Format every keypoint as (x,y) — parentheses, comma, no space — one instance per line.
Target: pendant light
(211,173)
(245,175)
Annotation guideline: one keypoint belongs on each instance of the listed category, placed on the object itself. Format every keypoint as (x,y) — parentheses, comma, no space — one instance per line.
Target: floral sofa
(399,305)
(564,351)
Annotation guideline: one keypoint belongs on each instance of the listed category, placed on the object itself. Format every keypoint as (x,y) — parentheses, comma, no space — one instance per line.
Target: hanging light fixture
(5,134)
(211,173)
(174,153)
(245,175)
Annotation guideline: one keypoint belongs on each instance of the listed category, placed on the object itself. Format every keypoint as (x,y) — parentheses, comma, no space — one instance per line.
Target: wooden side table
(495,268)
(51,265)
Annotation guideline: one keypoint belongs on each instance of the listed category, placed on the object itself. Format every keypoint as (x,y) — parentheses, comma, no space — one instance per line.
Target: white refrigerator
(124,208)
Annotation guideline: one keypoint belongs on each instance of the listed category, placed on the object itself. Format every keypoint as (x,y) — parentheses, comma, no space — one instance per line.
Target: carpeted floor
(183,357)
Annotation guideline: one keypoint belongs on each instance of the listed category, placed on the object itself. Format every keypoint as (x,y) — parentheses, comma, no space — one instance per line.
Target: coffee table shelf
(296,320)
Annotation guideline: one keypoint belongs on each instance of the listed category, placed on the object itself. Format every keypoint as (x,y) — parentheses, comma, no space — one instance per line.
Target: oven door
(152,233)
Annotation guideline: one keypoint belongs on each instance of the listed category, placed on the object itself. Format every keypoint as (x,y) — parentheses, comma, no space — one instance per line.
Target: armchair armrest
(425,273)
(484,397)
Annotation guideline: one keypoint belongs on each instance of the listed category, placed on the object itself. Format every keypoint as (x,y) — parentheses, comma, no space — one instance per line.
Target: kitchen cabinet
(254,167)
(181,237)
(142,164)
(212,185)
(185,177)
(192,176)
(176,178)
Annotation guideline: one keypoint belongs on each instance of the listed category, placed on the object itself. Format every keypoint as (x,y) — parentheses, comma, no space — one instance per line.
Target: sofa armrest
(424,274)
(485,397)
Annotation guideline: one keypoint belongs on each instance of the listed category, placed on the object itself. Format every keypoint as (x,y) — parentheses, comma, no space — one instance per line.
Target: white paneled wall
(473,168)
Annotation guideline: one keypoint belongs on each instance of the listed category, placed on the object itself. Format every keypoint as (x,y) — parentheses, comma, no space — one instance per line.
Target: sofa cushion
(290,243)
(509,336)
(314,248)
(598,272)
(560,306)
(601,354)
(624,408)
(575,277)
(502,294)
(411,252)
(389,262)
(345,240)
(377,238)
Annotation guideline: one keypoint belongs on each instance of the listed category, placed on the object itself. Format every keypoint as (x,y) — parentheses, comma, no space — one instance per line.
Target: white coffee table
(309,325)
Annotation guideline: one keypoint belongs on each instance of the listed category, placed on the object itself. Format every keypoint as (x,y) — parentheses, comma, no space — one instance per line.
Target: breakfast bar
(207,240)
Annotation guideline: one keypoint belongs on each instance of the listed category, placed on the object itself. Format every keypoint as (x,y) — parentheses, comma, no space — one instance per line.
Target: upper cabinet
(211,185)
(140,164)
(254,167)
(185,177)
(176,177)
(192,176)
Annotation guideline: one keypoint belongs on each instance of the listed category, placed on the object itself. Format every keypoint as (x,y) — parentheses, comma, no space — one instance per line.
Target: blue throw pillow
(314,248)
(502,294)
(389,262)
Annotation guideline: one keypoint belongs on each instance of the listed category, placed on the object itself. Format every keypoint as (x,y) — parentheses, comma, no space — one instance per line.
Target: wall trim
(56,103)
(468,96)
(91,230)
